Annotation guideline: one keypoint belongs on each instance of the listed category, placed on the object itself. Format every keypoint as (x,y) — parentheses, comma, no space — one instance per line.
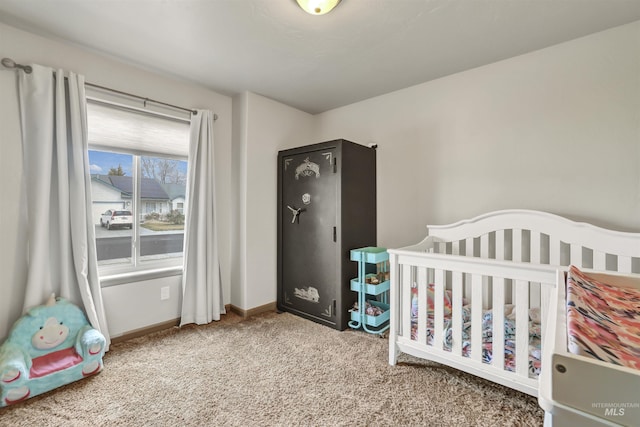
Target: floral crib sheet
(535,337)
(603,321)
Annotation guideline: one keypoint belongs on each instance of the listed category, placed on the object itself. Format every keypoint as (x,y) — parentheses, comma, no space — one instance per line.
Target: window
(134,187)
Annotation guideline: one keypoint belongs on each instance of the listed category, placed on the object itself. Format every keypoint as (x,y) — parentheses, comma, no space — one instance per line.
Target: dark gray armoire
(326,207)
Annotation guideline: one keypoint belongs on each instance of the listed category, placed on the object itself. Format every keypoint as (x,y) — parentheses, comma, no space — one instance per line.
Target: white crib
(504,257)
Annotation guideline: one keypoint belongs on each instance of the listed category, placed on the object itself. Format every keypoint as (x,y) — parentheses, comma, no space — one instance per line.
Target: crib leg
(548,419)
(393,352)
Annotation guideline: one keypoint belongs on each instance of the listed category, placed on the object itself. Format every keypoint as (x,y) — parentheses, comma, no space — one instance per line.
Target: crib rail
(487,285)
(536,237)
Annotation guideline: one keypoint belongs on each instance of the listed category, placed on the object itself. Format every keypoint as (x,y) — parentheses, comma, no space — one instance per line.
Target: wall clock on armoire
(326,207)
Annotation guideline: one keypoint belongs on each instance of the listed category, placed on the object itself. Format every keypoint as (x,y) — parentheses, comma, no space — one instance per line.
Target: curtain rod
(10,63)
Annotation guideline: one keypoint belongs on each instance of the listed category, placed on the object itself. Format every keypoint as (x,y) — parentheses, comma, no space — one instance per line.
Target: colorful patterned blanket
(603,321)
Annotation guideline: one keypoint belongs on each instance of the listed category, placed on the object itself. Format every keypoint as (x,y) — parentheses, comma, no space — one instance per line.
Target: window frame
(138,269)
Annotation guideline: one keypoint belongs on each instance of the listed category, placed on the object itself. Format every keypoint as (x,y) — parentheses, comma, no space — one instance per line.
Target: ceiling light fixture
(317,7)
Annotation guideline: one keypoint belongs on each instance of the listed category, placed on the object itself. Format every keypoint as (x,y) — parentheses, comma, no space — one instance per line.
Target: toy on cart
(371,310)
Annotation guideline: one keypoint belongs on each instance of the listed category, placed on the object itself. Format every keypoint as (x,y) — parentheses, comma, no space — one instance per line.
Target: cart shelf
(374,321)
(370,288)
(370,255)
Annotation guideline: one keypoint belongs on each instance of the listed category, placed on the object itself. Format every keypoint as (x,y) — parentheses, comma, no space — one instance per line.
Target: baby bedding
(603,321)
(487,330)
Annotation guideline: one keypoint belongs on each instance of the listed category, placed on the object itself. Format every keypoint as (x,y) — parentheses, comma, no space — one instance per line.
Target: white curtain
(202,292)
(61,235)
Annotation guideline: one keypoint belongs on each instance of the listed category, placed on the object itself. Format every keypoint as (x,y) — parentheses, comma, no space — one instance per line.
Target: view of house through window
(137,195)
(163,187)
(138,161)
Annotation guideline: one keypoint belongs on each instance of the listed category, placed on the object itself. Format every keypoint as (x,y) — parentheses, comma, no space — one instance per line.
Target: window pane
(112,192)
(163,190)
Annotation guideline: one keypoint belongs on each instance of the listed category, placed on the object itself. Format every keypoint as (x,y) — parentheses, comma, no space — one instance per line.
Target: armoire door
(308,233)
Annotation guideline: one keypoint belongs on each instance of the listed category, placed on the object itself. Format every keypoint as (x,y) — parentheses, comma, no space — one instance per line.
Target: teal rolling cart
(372,286)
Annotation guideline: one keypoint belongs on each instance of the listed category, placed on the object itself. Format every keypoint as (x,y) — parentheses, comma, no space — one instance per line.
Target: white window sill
(138,276)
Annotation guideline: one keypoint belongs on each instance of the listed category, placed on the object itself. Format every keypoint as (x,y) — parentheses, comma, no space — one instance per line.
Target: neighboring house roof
(103,179)
(150,188)
(175,190)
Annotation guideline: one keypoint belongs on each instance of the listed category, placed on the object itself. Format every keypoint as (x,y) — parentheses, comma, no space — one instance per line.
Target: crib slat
(476,317)
(501,287)
(422,305)
(534,288)
(484,254)
(624,264)
(469,247)
(517,245)
(467,277)
(484,246)
(516,249)
(522,327)
(456,301)
(535,248)
(456,312)
(405,293)
(554,250)
(545,301)
(576,255)
(498,322)
(599,260)
(500,244)
(438,320)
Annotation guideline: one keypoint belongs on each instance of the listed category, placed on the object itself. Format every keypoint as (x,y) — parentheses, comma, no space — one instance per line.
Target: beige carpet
(274,369)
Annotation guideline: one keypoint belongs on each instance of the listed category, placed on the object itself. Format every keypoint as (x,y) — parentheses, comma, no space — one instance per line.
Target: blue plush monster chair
(50,346)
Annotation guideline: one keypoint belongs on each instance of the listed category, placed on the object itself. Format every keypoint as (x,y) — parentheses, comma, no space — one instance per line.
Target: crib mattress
(487,331)
(603,321)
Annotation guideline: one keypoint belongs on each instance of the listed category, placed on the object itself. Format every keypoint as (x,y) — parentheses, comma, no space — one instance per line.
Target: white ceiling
(361,49)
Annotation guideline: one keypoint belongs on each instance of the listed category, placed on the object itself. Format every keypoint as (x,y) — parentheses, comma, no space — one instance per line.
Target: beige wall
(496,137)
(556,130)
(25,48)
(265,127)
